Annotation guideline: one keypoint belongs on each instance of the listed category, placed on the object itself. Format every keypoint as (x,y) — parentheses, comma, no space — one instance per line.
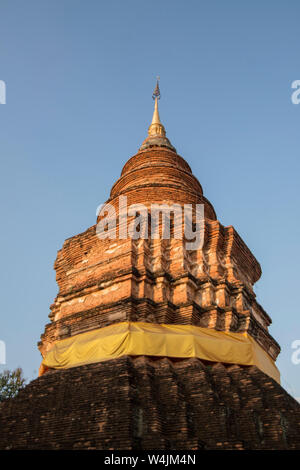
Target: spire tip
(156,93)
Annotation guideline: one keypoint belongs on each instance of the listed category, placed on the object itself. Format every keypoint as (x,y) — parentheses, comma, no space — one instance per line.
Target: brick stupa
(146,397)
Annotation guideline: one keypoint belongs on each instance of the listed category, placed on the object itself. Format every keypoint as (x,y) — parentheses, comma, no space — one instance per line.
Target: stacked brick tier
(159,175)
(107,281)
(145,403)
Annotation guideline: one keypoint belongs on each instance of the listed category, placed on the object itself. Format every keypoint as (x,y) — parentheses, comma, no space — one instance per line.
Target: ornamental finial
(156,93)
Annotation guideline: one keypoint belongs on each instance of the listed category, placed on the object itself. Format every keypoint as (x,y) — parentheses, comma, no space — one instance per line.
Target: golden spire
(156,127)
(156,132)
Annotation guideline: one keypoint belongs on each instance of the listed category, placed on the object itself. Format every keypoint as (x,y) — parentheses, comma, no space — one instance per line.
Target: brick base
(145,403)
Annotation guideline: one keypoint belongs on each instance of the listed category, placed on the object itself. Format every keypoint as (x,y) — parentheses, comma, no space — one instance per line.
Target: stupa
(153,342)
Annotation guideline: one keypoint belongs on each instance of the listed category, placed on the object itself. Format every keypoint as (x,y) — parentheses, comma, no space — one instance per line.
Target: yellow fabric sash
(150,339)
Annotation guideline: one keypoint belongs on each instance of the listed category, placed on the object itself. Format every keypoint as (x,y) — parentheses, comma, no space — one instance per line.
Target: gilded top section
(156,132)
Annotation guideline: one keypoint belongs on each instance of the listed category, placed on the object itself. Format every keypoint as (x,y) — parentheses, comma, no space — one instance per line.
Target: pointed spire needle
(155,118)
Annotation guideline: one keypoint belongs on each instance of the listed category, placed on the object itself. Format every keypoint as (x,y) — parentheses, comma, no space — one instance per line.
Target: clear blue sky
(79,78)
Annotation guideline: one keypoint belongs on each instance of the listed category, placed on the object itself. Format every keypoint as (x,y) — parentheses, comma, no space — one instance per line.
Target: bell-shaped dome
(157,173)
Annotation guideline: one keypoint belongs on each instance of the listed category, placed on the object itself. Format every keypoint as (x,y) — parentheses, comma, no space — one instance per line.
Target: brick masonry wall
(147,403)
